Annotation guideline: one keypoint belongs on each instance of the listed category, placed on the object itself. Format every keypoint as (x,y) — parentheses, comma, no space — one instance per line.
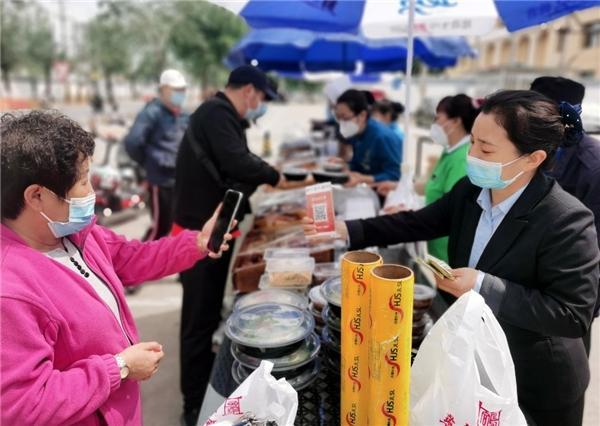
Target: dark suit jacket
(541,277)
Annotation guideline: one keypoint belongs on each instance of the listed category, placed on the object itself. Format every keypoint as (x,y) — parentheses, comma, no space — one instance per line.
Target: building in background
(568,46)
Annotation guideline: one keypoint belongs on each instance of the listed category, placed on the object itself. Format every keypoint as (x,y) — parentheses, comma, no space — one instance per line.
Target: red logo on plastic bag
(448,420)
(359,279)
(487,418)
(232,406)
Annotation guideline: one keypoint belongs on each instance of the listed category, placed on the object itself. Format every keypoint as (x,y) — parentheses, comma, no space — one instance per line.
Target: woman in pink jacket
(70,352)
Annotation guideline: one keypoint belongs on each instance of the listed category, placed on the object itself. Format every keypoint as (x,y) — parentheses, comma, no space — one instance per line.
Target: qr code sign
(320,212)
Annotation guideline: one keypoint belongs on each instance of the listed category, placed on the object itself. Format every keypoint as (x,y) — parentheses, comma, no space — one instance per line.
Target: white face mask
(437,134)
(348,128)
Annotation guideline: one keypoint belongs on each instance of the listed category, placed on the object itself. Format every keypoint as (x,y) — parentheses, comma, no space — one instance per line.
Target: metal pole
(405,168)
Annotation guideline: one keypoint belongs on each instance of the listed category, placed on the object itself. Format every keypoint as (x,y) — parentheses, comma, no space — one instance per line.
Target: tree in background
(108,42)
(151,27)
(26,43)
(202,35)
(40,50)
(130,39)
(10,38)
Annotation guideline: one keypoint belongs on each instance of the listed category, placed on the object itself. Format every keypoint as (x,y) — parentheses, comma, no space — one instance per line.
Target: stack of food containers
(317,303)
(278,332)
(422,321)
(331,333)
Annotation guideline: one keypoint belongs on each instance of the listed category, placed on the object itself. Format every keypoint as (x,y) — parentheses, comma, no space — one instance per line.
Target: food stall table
(318,404)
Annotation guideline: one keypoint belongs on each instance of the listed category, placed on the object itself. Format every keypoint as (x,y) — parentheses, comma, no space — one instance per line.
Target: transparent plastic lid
(298,382)
(271,295)
(269,325)
(316,296)
(332,291)
(290,264)
(330,339)
(331,320)
(423,292)
(278,253)
(308,351)
(327,270)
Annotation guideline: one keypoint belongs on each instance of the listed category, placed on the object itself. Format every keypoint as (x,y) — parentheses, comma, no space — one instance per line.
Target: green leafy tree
(108,41)
(11,38)
(40,50)
(151,26)
(202,36)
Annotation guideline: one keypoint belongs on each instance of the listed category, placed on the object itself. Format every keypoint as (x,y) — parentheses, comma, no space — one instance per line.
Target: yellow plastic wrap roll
(356,273)
(390,342)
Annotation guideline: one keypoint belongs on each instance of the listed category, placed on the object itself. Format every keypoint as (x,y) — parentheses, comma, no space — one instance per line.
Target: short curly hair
(39,147)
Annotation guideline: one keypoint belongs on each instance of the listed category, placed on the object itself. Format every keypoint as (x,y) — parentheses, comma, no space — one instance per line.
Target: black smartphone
(231,203)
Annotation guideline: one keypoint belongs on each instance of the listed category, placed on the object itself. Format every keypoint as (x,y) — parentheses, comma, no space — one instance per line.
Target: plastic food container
(316,298)
(295,174)
(264,284)
(332,292)
(306,352)
(299,378)
(330,340)
(419,327)
(333,177)
(423,296)
(284,253)
(269,330)
(271,295)
(324,271)
(332,321)
(290,272)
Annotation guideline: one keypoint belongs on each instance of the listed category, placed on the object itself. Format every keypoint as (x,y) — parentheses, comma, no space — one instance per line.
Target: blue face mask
(177,98)
(81,214)
(256,113)
(488,174)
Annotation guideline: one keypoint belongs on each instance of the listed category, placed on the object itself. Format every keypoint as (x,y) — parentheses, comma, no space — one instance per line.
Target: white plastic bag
(463,373)
(404,194)
(260,396)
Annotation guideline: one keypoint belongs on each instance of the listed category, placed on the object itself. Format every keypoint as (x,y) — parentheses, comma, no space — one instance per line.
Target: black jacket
(541,277)
(212,159)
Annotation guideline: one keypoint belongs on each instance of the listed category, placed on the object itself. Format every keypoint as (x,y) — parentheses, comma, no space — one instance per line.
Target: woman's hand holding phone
(204,236)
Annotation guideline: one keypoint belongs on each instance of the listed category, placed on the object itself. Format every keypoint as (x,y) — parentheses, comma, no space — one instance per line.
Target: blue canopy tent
(292,50)
(403,18)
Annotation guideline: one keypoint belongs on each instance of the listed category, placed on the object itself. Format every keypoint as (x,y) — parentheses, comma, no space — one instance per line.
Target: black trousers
(203,289)
(587,340)
(161,209)
(571,415)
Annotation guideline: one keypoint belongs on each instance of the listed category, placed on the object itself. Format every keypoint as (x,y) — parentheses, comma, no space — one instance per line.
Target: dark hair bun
(573,126)
(398,107)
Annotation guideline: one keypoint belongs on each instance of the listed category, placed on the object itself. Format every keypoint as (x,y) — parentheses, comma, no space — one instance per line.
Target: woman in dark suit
(524,244)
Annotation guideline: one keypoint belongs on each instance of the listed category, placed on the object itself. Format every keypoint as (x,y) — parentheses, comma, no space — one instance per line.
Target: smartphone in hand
(231,203)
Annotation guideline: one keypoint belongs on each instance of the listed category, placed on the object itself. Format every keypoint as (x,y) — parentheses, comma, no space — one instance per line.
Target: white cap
(334,89)
(172,78)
